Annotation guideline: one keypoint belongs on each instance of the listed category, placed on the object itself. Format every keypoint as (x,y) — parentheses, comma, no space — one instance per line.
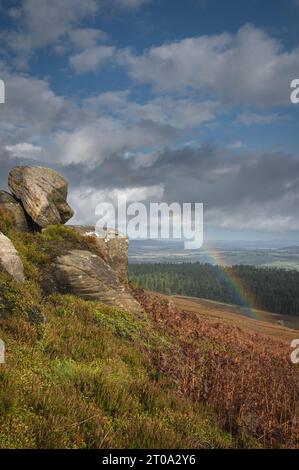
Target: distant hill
(226,253)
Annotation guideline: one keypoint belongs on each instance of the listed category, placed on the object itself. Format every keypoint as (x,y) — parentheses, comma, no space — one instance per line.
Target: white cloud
(85,200)
(249,67)
(237,144)
(32,108)
(25,149)
(116,125)
(86,38)
(256,193)
(40,23)
(249,118)
(99,140)
(131,3)
(91,59)
(43,23)
(174,111)
(68,132)
(141,159)
(271,217)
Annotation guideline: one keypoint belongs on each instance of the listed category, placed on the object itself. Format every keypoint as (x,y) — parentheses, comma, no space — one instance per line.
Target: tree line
(272,289)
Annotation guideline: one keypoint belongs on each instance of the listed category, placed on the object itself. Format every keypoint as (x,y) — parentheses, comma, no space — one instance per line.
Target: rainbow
(245,297)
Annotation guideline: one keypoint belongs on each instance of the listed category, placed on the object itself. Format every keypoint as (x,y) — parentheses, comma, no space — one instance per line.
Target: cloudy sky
(163,100)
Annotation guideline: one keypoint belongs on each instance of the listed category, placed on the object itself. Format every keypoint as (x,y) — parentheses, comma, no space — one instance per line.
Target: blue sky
(159,100)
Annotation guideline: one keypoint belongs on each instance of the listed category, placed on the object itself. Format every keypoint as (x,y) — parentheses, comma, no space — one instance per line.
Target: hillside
(85,378)
(92,362)
(245,375)
(96,376)
(283,327)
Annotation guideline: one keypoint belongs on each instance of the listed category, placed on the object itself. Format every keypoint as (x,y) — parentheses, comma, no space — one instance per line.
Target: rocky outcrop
(43,193)
(86,275)
(39,199)
(10,206)
(112,247)
(10,260)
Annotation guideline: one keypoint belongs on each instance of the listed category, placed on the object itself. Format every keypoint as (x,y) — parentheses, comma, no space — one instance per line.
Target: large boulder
(86,275)
(43,193)
(10,260)
(112,247)
(11,207)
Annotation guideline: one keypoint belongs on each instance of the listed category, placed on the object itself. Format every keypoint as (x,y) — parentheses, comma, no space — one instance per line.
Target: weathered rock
(43,193)
(86,275)
(9,205)
(112,247)
(10,260)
